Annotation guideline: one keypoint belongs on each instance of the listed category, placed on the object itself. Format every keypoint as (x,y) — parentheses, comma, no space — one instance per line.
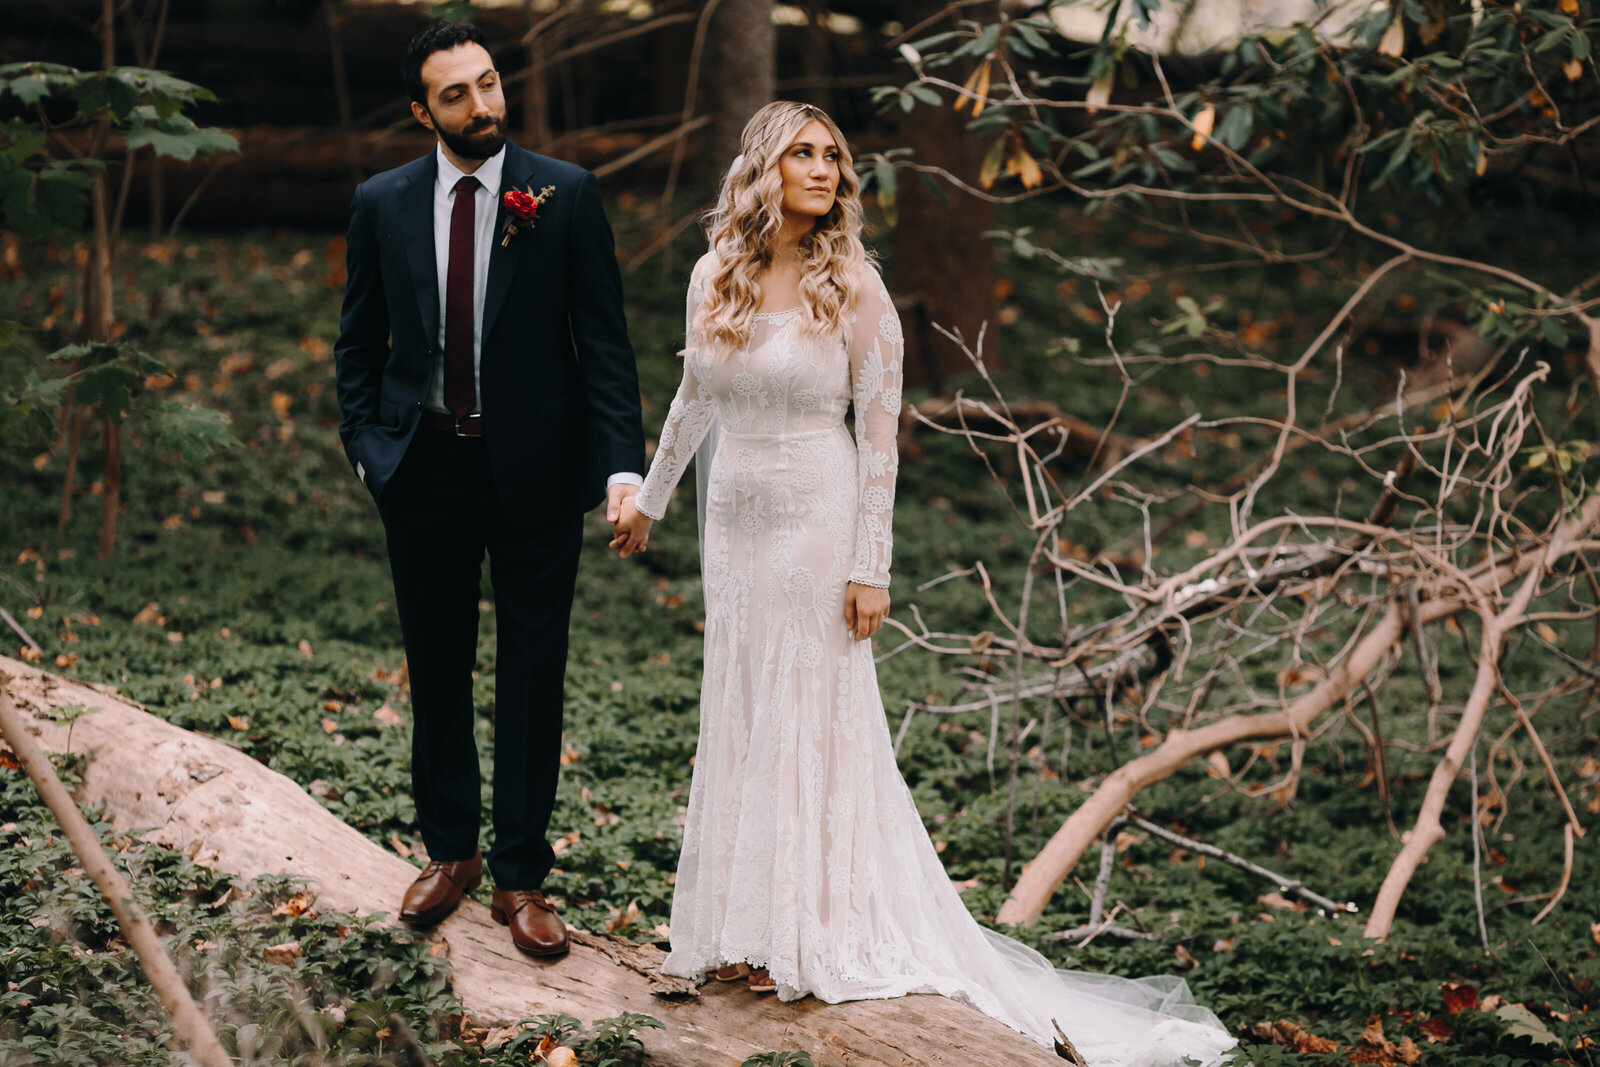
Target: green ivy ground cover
(249,600)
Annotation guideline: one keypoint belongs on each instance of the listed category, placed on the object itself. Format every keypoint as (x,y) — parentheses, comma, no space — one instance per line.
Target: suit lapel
(517,173)
(416,222)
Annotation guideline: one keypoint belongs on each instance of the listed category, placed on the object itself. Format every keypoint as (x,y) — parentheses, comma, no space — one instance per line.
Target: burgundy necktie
(460,392)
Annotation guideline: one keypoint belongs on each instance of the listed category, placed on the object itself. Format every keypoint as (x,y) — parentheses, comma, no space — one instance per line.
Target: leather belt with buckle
(467,426)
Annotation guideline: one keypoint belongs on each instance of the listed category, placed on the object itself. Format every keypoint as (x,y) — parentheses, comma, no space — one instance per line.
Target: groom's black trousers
(441,513)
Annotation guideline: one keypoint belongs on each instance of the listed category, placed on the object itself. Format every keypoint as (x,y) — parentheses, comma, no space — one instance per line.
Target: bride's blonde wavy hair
(744,226)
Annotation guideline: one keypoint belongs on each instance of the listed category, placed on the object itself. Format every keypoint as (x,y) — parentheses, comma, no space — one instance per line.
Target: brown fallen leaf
(1295,1036)
(1435,1030)
(622,919)
(305,648)
(285,953)
(1458,997)
(149,615)
(398,845)
(387,715)
(298,904)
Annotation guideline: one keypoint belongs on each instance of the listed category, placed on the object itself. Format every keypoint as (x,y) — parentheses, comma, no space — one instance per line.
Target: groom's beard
(481,142)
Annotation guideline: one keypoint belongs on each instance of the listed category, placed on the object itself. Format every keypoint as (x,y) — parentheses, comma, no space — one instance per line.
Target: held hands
(865,608)
(630,527)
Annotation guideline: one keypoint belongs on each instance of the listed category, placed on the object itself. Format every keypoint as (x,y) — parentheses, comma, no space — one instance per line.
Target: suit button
(419,403)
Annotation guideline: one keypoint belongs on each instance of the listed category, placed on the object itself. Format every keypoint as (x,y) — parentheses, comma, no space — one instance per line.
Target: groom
(489,399)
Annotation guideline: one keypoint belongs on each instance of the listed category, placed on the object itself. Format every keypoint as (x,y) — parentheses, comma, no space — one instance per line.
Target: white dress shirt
(485,212)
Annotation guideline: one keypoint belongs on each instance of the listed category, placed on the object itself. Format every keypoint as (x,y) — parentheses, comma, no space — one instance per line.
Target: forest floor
(249,599)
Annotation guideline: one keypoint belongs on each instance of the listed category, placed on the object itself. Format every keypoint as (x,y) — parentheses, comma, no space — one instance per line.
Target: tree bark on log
(240,818)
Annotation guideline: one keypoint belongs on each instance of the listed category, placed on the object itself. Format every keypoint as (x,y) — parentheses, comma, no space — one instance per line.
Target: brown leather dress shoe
(438,889)
(535,927)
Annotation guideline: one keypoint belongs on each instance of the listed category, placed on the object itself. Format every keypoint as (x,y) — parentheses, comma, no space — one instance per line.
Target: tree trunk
(535,90)
(341,86)
(240,818)
(111,497)
(816,58)
(943,268)
(739,81)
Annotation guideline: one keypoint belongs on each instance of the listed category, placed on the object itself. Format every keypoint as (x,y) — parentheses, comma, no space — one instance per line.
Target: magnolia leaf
(1203,123)
(981,89)
(883,176)
(992,163)
(1394,38)
(1235,128)
(1099,94)
(1026,168)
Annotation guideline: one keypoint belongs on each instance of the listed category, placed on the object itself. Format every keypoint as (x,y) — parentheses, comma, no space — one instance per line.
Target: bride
(804,857)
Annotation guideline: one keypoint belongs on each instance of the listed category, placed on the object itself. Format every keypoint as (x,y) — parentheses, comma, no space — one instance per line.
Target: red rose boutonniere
(522,207)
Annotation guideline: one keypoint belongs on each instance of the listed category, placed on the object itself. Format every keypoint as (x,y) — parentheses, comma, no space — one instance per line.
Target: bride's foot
(731,972)
(761,982)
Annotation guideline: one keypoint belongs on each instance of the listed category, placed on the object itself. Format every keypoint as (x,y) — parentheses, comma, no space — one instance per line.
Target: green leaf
(20,141)
(883,175)
(27,82)
(1520,1022)
(1549,41)
(192,431)
(122,95)
(177,137)
(63,194)
(1552,330)
(1234,129)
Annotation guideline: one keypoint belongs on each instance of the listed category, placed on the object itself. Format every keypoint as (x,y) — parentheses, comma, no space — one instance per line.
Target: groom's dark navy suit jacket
(558,389)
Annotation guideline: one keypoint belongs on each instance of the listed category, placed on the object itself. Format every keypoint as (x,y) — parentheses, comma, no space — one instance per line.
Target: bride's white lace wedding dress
(803,851)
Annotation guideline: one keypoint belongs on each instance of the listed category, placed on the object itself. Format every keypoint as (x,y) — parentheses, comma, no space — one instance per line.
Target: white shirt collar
(488,174)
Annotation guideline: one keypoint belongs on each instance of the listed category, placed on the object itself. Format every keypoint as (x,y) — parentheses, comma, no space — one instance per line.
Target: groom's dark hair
(440,37)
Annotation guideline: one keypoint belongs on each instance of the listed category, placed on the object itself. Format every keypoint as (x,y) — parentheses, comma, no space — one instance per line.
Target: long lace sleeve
(877,348)
(691,415)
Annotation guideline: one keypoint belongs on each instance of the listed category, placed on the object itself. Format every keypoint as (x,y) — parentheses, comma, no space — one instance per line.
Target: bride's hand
(631,530)
(865,608)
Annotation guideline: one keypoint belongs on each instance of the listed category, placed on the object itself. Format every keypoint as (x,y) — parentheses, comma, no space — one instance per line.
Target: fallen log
(243,819)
